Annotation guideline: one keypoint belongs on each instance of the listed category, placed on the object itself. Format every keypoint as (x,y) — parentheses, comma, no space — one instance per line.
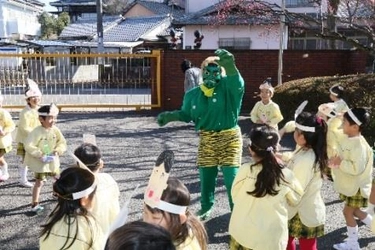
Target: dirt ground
(130,143)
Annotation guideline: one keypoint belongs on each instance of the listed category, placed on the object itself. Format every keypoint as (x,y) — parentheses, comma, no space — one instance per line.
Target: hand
(334,162)
(164,118)
(226,61)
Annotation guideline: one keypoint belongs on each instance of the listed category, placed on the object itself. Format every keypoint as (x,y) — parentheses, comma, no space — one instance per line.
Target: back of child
(70,225)
(309,161)
(139,235)
(106,201)
(261,191)
(266,111)
(188,233)
(6,128)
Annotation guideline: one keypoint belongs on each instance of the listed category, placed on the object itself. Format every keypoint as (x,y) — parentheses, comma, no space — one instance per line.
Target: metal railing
(83,80)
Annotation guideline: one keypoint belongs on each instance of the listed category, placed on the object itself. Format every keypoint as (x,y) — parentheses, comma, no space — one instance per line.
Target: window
(299,3)
(235,43)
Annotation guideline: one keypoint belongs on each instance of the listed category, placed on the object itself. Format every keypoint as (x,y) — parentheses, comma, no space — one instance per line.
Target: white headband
(330,90)
(84,193)
(305,128)
(354,118)
(171,208)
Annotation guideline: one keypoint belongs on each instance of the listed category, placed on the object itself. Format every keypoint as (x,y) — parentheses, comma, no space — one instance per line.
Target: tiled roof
(157,8)
(73,2)
(132,29)
(47,43)
(205,17)
(86,27)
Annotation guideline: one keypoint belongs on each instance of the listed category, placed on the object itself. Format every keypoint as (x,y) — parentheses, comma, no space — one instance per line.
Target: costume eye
(206,73)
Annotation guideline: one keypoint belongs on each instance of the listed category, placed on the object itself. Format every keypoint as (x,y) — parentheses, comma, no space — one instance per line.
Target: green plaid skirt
(298,230)
(43,176)
(356,201)
(21,149)
(234,245)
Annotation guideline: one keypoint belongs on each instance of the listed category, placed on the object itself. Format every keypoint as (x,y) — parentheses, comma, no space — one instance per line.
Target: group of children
(285,188)
(329,145)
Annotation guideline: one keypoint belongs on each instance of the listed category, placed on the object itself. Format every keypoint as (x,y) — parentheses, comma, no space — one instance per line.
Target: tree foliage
(52,26)
(114,7)
(332,21)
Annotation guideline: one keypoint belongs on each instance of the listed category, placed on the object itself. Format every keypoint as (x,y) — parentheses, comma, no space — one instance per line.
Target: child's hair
(71,181)
(317,140)
(185,65)
(337,91)
(360,114)
(90,155)
(139,235)
(177,193)
(263,142)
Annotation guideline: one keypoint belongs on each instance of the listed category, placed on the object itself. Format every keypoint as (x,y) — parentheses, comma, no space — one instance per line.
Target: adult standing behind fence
(214,107)
(192,75)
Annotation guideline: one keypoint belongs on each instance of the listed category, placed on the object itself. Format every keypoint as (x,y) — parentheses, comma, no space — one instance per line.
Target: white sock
(367,220)
(352,233)
(4,168)
(370,208)
(23,173)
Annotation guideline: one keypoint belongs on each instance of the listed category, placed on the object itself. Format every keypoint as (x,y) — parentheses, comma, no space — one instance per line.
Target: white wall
(18,19)
(259,39)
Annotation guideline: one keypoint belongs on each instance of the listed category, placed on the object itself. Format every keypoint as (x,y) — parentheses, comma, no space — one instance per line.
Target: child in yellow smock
(266,111)
(261,191)
(6,128)
(308,162)
(352,172)
(71,225)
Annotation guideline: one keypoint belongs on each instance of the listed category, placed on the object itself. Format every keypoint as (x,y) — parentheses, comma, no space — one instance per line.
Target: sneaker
(37,209)
(204,215)
(26,184)
(4,177)
(347,245)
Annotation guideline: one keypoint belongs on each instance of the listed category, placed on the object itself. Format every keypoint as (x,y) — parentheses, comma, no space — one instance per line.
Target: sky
(48,7)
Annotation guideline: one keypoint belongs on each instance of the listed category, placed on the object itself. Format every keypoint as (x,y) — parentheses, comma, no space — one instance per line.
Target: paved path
(130,143)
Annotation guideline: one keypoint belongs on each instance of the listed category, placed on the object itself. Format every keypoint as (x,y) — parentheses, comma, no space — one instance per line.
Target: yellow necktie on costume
(207,92)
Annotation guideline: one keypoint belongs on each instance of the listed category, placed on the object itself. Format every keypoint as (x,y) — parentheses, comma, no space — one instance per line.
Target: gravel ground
(130,143)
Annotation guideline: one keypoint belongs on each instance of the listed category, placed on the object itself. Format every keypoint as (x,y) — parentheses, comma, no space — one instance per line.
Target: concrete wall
(256,65)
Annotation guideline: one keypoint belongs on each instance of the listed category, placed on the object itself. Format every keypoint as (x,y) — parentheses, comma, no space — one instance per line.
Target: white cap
(33,89)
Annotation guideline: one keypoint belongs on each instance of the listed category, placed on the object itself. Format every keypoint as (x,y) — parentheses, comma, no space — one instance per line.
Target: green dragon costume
(214,107)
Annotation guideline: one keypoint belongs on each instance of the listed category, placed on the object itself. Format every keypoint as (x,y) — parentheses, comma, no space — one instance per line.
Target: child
(262,186)
(70,225)
(187,231)
(308,162)
(266,111)
(106,200)
(6,127)
(336,95)
(43,147)
(166,204)
(352,174)
(28,120)
(139,235)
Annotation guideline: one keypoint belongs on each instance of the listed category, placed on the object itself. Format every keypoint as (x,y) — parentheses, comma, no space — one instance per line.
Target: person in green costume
(214,107)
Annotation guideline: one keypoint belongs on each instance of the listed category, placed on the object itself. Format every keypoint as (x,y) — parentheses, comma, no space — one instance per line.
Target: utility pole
(281,45)
(99,32)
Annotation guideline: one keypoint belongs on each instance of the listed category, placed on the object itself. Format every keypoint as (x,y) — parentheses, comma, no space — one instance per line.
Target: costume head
(32,89)
(212,72)
(158,183)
